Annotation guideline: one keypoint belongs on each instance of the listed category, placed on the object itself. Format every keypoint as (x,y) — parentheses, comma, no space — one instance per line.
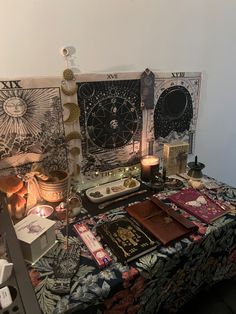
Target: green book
(127,240)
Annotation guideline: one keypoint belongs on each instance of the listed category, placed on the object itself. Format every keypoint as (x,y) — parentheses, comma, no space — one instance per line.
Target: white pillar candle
(149,167)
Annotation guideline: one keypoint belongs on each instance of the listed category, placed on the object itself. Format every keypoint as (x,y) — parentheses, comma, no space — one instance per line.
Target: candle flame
(150,161)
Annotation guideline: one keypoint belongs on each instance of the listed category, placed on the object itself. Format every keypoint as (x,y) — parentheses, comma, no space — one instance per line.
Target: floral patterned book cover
(199,205)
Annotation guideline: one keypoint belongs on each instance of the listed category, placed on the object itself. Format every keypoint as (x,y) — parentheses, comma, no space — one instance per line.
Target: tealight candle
(43,211)
(61,211)
(149,167)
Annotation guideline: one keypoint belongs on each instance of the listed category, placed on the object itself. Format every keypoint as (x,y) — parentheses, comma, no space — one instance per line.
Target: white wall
(130,35)
(217,123)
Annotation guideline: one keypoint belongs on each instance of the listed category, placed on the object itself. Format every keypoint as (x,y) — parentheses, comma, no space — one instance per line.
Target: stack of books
(149,224)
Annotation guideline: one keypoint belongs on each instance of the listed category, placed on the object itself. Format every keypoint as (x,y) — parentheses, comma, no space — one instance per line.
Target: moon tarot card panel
(174,117)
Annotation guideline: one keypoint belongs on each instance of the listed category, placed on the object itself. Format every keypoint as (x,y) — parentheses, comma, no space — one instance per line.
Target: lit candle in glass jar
(41,210)
(149,167)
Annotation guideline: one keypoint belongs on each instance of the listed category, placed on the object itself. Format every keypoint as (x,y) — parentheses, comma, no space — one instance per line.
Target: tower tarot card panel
(31,125)
(110,122)
(174,116)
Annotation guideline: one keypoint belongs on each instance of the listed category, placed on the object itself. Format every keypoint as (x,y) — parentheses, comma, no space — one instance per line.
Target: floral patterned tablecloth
(165,279)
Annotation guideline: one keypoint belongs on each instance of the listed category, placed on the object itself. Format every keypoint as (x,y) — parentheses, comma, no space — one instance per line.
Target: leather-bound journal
(161,220)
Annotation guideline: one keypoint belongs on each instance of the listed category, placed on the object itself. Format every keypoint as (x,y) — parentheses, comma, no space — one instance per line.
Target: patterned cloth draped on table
(166,278)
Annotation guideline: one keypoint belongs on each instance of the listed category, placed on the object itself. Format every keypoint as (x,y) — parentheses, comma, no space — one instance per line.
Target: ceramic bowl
(55,189)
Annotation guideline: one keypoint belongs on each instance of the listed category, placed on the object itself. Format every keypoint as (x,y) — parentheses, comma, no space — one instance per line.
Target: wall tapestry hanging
(174,116)
(106,129)
(110,122)
(31,125)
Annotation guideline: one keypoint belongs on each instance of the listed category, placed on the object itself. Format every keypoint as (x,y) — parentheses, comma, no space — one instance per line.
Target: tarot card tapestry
(31,125)
(110,122)
(175,112)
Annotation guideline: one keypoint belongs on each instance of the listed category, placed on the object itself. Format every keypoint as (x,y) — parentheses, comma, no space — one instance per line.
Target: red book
(199,205)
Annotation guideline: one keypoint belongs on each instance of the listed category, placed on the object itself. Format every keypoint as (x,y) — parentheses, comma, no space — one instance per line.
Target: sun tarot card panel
(111,124)
(31,126)
(175,112)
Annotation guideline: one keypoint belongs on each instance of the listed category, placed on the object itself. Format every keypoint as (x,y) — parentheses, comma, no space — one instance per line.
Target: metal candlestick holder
(195,171)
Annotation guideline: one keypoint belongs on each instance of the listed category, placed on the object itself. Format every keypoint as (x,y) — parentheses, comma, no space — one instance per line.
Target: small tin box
(36,236)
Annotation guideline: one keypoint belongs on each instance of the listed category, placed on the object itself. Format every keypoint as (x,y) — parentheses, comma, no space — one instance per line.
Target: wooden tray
(110,190)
